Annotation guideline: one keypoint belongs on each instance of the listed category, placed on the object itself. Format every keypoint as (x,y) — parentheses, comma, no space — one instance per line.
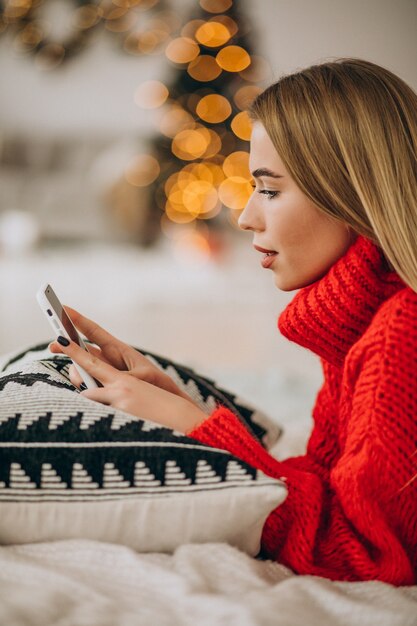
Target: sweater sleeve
(355,520)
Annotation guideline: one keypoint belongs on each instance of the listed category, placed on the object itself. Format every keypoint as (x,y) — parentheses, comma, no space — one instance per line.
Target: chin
(283,285)
(289,284)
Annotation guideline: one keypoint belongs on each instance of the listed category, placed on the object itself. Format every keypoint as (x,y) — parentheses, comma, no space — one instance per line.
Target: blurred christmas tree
(202,149)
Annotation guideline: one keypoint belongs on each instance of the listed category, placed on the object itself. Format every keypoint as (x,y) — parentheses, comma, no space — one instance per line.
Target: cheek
(290,228)
(307,254)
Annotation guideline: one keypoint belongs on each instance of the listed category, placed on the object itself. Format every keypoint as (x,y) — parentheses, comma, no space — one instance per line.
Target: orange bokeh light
(214,146)
(182,50)
(213,108)
(215,6)
(235,191)
(179,217)
(237,164)
(242,126)
(204,68)
(246,95)
(174,120)
(233,58)
(86,16)
(191,143)
(212,34)
(190,29)
(227,21)
(147,42)
(200,197)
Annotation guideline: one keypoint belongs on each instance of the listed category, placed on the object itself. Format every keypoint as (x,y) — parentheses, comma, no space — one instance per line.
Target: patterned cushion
(204,391)
(73,468)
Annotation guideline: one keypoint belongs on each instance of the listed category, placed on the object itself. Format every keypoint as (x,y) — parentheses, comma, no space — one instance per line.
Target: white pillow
(73,468)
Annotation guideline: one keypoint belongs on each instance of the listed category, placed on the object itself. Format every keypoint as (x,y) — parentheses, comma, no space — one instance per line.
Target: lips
(268,258)
(264,250)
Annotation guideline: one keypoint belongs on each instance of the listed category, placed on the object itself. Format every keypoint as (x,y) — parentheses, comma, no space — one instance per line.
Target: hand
(118,354)
(138,397)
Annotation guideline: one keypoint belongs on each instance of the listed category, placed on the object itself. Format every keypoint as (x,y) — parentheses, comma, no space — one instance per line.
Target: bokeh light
(213,108)
(177,216)
(141,4)
(151,94)
(237,164)
(182,50)
(244,96)
(215,6)
(204,68)
(233,58)
(147,42)
(214,146)
(191,27)
(227,21)
(191,144)
(235,192)
(200,197)
(87,16)
(16,9)
(30,36)
(142,170)
(242,126)
(120,20)
(212,34)
(174,120)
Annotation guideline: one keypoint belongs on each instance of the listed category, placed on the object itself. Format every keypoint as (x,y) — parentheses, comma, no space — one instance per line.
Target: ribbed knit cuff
(222,429)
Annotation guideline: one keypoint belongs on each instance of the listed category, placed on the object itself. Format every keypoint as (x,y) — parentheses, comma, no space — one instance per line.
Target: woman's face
(304,242)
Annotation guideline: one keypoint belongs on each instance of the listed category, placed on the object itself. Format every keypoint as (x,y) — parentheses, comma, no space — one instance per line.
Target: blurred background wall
(101,194)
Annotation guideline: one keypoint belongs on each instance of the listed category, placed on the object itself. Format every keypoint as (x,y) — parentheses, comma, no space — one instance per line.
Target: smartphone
(62,325)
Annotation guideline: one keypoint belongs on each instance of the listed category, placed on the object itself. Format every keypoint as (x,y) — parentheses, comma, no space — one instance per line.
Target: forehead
(262,151)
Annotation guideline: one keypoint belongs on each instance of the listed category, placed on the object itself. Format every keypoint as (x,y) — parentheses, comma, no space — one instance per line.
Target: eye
(268,193)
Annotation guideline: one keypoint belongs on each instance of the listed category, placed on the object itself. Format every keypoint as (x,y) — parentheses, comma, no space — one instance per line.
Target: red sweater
(351,510)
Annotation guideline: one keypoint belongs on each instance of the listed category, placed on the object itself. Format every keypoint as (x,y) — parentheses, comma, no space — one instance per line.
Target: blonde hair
(346,132)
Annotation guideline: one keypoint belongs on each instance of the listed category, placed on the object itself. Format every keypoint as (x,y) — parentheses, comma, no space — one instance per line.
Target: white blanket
(85,583)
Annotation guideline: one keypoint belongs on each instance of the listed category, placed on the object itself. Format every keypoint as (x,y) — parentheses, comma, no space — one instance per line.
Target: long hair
(346,132)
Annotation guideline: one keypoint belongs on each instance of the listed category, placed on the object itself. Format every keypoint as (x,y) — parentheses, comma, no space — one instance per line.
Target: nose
(251,218)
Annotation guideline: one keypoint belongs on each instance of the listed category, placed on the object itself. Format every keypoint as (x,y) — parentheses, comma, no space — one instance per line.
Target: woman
(334,214)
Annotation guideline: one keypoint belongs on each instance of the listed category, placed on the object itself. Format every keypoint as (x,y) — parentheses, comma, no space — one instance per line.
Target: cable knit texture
(351,510)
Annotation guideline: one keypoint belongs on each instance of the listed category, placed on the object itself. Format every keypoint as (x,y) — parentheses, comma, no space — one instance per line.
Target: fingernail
(63,341)
(83,386)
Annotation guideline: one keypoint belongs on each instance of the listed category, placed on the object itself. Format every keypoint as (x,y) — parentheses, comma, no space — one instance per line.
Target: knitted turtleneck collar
(330,315)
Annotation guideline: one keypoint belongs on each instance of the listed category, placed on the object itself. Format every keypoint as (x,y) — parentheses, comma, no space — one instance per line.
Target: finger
(93,365)
(105,395)
(98,352)
(75,378)
(116,352)
(55,347)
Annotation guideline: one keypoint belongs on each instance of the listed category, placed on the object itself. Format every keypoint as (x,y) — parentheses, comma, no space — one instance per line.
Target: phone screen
(63,316)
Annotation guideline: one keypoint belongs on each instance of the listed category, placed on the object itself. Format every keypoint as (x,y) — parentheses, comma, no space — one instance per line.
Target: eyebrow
(263,171)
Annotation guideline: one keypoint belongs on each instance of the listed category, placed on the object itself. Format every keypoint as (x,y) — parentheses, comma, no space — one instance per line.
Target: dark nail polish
(63,341)
(83,386)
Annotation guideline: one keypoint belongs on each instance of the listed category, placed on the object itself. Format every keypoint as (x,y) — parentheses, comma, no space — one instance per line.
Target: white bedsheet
(80,583)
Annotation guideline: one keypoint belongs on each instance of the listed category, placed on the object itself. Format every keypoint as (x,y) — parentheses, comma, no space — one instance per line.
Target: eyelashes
(267,192)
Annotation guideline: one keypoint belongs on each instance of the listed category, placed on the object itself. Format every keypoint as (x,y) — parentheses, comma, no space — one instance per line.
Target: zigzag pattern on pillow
(204,391)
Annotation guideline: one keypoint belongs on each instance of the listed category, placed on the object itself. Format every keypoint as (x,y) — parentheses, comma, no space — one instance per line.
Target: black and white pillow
(73,468)
(204,391)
